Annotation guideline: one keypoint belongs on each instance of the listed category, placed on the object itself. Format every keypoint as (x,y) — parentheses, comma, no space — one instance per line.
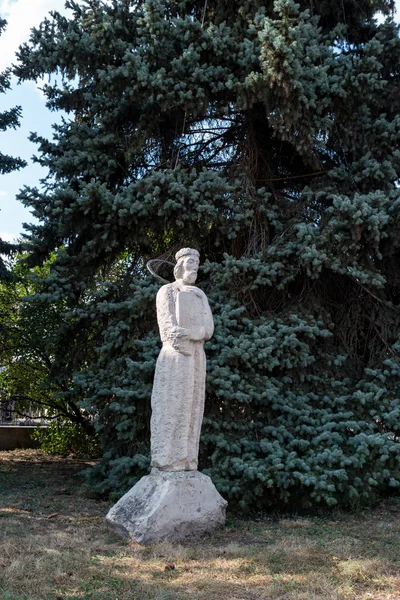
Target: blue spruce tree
(265,134)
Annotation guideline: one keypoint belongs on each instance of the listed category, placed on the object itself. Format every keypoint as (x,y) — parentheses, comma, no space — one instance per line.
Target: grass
(54,544)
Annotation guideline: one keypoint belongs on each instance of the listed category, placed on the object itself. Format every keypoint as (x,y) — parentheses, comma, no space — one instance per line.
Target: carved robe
(179,382)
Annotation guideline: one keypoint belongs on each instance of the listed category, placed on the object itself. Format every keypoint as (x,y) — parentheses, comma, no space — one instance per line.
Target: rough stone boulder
(168,506)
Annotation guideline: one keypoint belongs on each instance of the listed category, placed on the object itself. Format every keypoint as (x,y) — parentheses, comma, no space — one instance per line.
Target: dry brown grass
(54,544)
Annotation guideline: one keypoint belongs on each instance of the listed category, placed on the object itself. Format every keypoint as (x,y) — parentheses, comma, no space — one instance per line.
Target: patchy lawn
(54,544)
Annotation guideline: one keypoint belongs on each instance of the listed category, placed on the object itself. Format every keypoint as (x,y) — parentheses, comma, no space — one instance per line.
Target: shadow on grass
(54,544)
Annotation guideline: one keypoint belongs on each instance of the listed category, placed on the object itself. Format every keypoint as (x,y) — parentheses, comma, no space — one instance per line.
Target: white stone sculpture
(185,322)
(175,500)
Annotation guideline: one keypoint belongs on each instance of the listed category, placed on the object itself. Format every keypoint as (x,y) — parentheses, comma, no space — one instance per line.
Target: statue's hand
(180,332)
(181,335)
(179,339)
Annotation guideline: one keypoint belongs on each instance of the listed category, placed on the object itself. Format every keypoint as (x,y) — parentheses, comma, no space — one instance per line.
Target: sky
(22,15)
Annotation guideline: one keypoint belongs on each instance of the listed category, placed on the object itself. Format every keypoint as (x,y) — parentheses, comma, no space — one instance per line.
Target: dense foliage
(66,437)
(30,334)
(8,118)
(266,135)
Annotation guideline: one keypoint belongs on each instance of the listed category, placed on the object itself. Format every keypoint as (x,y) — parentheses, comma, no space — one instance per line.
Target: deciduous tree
(30,378)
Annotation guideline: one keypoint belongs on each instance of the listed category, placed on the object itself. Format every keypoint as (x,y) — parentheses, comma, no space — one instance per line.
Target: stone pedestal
(168,506)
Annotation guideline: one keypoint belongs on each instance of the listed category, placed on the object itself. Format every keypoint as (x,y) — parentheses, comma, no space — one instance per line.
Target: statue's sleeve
(166,317)
(208,319)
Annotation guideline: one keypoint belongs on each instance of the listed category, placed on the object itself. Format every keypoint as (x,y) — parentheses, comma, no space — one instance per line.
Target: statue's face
(190,267)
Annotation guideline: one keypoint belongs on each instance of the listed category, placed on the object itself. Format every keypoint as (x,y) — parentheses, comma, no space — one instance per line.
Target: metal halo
(158,260)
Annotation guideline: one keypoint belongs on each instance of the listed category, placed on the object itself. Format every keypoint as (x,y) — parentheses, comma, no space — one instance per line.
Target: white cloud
(3,193)
(21,16)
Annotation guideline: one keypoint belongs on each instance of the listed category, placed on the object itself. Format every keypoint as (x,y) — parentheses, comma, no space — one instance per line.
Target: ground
(54,544)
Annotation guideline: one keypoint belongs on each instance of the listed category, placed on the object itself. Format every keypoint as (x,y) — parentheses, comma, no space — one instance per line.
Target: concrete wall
(14,436)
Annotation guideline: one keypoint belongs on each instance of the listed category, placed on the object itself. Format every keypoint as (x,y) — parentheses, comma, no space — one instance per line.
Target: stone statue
(185,322)
(175,501)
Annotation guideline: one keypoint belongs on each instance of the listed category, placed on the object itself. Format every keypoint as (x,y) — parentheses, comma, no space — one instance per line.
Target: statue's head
(187,264)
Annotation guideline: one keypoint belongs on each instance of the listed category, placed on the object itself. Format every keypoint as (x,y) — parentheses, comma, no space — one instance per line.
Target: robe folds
(178,394)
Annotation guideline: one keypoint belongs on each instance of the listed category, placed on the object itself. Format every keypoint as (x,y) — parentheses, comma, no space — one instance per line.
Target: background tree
(8,118)
(266,135)
(30,377)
